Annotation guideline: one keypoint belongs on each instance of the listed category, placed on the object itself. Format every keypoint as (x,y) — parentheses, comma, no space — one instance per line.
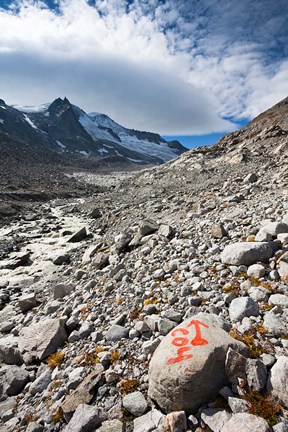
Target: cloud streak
(159,66)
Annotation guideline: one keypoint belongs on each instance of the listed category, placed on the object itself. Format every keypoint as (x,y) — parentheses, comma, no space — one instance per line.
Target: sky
(187,69)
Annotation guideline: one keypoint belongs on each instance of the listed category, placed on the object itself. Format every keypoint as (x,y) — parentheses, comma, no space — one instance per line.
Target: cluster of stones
(128,329)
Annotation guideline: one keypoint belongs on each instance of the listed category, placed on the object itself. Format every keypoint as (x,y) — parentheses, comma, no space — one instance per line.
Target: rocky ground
(159,304)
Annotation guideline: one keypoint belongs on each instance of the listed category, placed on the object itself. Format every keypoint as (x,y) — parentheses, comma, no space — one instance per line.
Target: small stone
(135,403)
(61,258)
(279,300)
(111,426)
(235,366)
(116,333)
(256,271)
(218,231)
(62,290)
(147,227)
(27,302)
(250,178)
(78,236)
(238,405)
(165,230)
(9,351)
(274,324)
(176,421)
(165,326)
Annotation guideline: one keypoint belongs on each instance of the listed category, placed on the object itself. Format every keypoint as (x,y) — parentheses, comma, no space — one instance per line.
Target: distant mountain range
(62,127)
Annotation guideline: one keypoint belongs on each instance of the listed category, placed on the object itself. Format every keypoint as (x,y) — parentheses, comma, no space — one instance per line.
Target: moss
(114,355)
(57,416)
(127,386)
(254,340)
(55,359)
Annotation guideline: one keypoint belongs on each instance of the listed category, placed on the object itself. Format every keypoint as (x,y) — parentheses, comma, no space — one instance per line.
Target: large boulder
(9,352)
(246,253)
(188,367)
(85,419)
(12,380)
(41,339)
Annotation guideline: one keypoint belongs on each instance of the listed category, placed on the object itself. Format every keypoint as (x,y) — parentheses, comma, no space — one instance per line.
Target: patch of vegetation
(55,359)
(57,416)
(30,417)
(151,300)
(267,407)
(127,386)
(254,340)
(114,355)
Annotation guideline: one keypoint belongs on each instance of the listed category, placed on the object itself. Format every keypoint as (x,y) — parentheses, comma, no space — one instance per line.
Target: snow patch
(136,160)
(60,144)
(82,152)
(30,122)
(1,121)
(1,106)
(103,150)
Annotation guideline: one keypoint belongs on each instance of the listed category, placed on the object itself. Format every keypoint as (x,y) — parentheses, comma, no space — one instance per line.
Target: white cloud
(166,67)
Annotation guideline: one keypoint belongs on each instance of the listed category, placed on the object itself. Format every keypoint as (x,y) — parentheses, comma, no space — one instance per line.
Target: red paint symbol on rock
(198,340)
(182,342)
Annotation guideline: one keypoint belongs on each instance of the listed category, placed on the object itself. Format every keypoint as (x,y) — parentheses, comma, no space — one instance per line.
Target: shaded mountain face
(66,128)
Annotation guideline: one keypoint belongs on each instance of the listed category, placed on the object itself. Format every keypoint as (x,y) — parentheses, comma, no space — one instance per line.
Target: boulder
(256,271)
(246,423)
(148,422)
(215,418)
(278,380)
(16,260)
(111,426)
(41,383)
(116,333)
(188,367)
(246,253)
(41,339)
(273,229)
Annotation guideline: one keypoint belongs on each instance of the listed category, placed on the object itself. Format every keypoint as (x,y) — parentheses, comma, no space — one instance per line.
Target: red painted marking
(180,341)
(181,330)
(198,340)
(181,356)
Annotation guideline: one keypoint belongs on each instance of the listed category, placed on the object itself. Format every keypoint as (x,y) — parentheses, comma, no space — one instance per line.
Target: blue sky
(189,69)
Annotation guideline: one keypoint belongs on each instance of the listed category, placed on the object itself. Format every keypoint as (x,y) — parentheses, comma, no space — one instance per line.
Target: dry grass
(55,359)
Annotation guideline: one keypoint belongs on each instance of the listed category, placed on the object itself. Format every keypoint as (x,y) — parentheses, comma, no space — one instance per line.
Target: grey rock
(165,230)
(150,346)
(274,228)
(256,374)
(111,426)
(41,339)
(13,379)
(6,326)
(62,290)
(135,403)
(278,380)
(148,422)
(250,178)
(280,427)
(35,427)
(274,324)
(81,234)
(41,383)
(279,300)
(238,405)
(85,419)
(235,366)
(218,231)
(246,253)
(147,227)
(61,258)
(245,423)
(215,418)
(256,271)
(242,307)
(176,421)
(184,379)
(27,302)
(165,326)
(9,352)
(16,260)
(116,333)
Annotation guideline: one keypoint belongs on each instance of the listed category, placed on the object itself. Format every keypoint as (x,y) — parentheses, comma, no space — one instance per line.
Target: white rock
(246,423)
(278,380)
(242,307)
(246,253)
(135,403)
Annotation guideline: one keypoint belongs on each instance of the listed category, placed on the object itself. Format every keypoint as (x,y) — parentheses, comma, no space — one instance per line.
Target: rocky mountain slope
(65,128)
(161,307)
